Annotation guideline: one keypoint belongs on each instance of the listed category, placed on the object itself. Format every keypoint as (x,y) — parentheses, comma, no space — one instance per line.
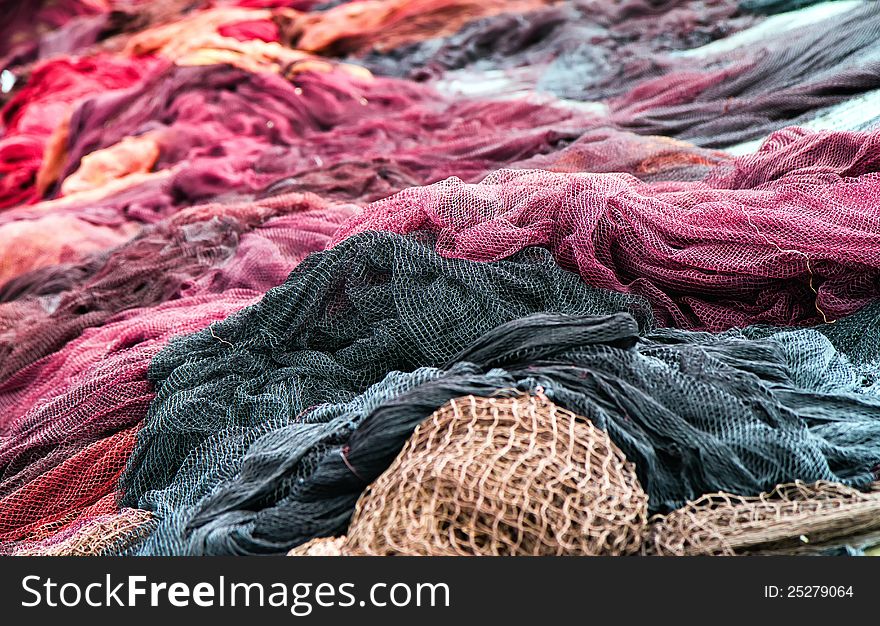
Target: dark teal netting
(268,426)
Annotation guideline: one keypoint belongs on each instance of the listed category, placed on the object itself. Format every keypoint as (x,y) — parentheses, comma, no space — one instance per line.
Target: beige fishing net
(792,518)
(323,546)
(503,476)
(106,534)
(521,476)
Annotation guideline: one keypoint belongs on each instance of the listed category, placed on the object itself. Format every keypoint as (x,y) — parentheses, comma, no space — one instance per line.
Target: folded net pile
(323,276)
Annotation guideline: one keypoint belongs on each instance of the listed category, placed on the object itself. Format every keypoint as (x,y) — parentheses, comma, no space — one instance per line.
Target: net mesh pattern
(521,476)
(788,519)
(374,304)
(785,236)
(695,412)
(64,413)
(322,546)
(203,250)
(502,477)
(731,97)
(102,535)
(168,387)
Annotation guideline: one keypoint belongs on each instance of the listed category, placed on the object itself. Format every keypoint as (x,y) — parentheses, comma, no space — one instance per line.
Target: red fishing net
(29,119)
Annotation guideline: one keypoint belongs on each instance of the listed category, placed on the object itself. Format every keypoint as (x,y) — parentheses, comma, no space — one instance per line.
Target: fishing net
(69,397)
(30,117)
(312,131)
(732,97)
(385,24)
(520,476)
(572,49)
(322,546)
(346,317)
(99,536)
(695,412)
(782,237)
(69,420)
(206,249)
(792,518)
(503,477)
(76,487)
(775,6)
(651,158)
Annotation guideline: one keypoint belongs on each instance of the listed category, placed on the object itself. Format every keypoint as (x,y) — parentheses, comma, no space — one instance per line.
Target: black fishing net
(376,303)
(268,426)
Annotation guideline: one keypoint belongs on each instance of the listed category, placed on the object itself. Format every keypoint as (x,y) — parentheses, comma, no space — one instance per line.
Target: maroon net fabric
(786,236)
(78,340)
(31,116)
(69,420)
(205,249)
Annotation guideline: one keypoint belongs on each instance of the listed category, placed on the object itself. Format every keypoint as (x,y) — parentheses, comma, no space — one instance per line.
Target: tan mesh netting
(323,546)
(503,476)
(521,476)
(791,518)
(107,534)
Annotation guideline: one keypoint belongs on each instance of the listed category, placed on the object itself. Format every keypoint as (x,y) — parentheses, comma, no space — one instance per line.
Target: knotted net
(789,519)
(521,476)
(501,477)
(346,317)
(695,412)
(756,243)
(108,535)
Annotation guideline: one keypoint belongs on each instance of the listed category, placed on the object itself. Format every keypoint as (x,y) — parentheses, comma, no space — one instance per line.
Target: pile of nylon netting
(338,366)
(330,276)
(784,236)
(507,476)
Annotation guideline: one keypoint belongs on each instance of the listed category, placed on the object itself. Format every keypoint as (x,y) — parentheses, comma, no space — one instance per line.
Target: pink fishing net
(786,236)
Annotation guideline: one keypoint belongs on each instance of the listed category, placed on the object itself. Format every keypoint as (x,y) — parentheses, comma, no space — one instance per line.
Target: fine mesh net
(501,477)
(785,236)
(789,519)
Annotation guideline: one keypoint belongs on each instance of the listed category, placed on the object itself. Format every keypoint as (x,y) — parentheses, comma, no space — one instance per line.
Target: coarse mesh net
(792,518)
(503,477)
(69,417)
(322,546)
(521,476)
(786,236)
(103,535)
